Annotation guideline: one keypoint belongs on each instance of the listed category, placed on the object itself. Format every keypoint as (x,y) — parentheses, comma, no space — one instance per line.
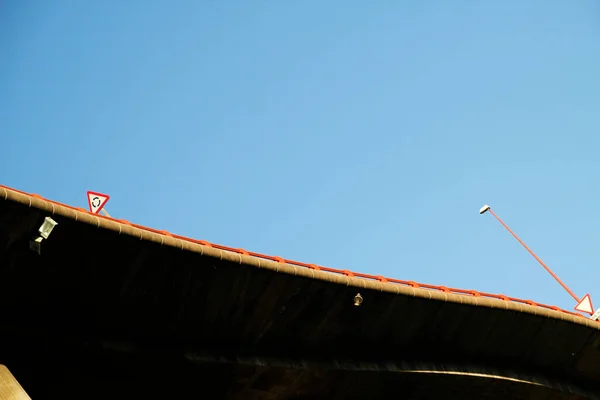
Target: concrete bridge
(107,309)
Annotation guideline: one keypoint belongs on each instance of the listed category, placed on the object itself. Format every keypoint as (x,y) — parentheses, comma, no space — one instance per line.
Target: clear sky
(360,135)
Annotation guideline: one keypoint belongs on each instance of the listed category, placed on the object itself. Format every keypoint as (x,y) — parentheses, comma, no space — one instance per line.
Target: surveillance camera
(483,209)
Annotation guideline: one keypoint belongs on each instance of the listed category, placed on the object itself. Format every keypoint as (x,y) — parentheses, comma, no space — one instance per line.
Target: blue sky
(356,135)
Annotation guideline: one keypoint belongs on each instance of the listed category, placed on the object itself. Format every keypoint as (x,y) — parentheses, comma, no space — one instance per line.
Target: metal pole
(577,299)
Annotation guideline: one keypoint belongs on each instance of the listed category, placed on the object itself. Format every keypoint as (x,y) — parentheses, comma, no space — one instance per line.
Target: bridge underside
(103,374)
(103,315)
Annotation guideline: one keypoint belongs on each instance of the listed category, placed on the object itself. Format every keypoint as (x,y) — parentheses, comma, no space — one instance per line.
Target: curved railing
(310,266)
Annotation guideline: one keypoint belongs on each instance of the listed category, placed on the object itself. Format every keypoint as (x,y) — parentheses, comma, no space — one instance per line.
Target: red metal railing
(313,266)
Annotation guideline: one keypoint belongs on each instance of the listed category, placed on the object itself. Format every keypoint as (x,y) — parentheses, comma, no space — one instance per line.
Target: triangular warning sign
(585,305)
(96,201)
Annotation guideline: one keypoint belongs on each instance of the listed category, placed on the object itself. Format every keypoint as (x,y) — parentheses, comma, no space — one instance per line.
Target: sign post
(583,305)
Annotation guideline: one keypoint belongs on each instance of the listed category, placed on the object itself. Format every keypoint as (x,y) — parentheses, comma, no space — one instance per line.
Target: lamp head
(358,299)
(47,227)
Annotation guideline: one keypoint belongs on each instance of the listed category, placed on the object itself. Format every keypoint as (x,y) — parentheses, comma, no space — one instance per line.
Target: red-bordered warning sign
(585,305)
(96,201)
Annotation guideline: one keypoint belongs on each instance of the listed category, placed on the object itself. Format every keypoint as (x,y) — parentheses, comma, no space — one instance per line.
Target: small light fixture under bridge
(44,232)
(358,299)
